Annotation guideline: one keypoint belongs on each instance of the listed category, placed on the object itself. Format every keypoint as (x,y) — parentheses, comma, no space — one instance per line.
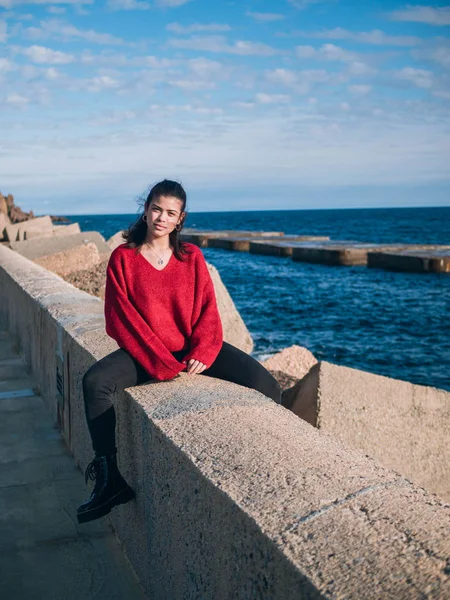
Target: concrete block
(404,426)
(235,331)
(37,248)
(412,262)
(39,226)
(241,245)
(66,229)
(290,365)
(4,221)
(116,240)
(78,258)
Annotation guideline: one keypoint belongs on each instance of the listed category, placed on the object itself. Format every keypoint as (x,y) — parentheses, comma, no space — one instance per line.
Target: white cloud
(299,81)
(326,52)
(204,68)
(128,5)
(196,27)
(423,14)
(360,90)
(263,98)
(5,65)
(419,77)
(53,28)
(101,83)
(17,100)
(14,3)
(56,10)
(40,54)
(192,85)
(3,31)
(359,68)
(440,54)
(218,44)
(265,17)
(376,37)
(171,3)
(51,73)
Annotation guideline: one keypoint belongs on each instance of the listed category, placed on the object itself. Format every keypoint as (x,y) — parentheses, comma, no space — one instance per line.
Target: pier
(417,258)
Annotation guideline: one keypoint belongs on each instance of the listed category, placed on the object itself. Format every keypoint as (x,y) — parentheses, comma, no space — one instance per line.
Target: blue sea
(393,324)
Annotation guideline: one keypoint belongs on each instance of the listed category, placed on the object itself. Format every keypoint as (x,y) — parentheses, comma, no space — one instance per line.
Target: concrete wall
(236,496)
(404,426)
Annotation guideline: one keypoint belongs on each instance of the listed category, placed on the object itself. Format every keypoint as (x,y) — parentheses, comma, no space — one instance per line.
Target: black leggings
(119,370)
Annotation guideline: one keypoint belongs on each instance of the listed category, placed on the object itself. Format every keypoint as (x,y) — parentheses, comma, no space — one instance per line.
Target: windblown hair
(136,233)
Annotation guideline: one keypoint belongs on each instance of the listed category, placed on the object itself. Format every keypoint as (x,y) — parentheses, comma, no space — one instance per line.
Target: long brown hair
(136,233)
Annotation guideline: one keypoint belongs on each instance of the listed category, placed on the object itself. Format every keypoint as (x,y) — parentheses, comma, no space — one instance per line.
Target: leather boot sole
(121,497)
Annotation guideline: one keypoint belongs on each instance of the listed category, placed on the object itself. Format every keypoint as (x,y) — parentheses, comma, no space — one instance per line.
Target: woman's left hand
(194,367)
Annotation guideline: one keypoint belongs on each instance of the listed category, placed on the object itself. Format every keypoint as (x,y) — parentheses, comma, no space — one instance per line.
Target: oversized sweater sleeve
(132,333)
(207,334)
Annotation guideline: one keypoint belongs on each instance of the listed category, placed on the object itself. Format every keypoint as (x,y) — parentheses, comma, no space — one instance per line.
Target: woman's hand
(194,367)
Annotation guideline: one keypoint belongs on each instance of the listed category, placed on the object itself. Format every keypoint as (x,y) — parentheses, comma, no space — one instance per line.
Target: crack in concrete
(371,488)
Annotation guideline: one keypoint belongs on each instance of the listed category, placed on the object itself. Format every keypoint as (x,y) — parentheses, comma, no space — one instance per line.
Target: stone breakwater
(404,426)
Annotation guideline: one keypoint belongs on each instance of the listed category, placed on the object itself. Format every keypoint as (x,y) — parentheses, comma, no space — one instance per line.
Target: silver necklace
(160,258)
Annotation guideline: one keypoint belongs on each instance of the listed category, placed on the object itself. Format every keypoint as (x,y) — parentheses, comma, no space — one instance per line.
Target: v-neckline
(152,266)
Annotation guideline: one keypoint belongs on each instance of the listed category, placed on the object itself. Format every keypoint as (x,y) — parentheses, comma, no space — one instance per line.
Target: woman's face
(163,215)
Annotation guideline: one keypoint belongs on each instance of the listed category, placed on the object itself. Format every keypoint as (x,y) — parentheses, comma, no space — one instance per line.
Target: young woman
(161,309)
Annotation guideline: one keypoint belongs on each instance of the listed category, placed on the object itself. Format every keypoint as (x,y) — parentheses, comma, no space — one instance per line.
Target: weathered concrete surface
(115,240)
(37,227)
(413,261)
(44,553)
(66,229)
(290,365)
(350,253)
(235,496)
(404,426)
(202,237)
(78,258)
(37,248)
(4,221)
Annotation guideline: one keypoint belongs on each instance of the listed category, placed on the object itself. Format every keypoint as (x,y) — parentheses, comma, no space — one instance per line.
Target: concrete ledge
(404,426)
(414,262)
(236,496)
(39,247)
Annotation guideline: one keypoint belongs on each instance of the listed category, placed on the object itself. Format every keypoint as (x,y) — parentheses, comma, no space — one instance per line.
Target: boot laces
(92,470)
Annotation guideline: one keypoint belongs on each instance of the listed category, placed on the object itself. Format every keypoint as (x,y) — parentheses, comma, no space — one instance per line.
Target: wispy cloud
(59,30)
(301,82)
(14,3)
(421,78)
(128,5)
(376,37)
(219,44)
(3,31)
(302,4)
(439,54)
(326,52)
(16,100)
(5,65)
(42,55)
(197,27)
(171,3)
(423,14)
(265,17)
(263,98)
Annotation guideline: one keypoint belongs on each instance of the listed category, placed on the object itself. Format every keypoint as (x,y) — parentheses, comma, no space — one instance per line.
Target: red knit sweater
(153,313)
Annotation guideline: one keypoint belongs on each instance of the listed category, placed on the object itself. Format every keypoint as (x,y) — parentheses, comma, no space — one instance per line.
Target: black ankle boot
(110,489)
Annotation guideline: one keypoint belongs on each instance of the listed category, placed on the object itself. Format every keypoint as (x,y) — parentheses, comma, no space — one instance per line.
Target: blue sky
(261,104)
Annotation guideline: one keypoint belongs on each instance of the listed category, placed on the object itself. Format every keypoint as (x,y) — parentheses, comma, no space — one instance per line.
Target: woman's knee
(96,381)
